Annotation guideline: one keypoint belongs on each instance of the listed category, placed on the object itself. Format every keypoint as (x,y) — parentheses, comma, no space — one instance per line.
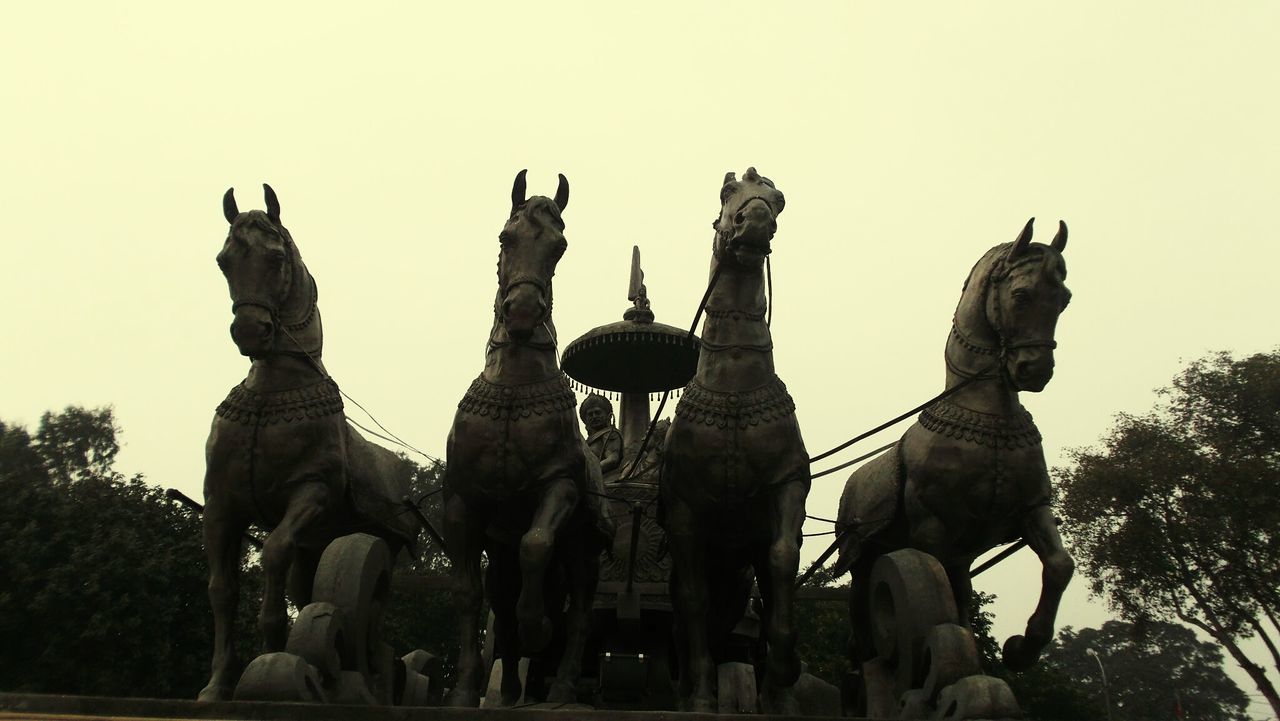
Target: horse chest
(980,491)
(729,445)
(511,440)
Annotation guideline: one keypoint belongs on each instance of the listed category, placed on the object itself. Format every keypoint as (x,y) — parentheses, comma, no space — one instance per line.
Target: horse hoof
(779,701)
(1019,654)
(703,704)
(562,692)
(535,635)
(462,698)
(214,692)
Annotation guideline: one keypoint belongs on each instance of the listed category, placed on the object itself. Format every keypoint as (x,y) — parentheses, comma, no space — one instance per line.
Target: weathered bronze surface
(280,454)
(736,473)
(970,473)
(520,484)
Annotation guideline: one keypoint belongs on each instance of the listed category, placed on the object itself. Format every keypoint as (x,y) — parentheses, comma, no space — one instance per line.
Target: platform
(41,707)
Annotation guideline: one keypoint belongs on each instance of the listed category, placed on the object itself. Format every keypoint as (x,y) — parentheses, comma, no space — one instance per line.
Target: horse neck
(510,363)
(737,348)
(973,349)
(281,371)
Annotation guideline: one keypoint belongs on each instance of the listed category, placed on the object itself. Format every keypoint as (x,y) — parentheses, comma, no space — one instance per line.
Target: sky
(908,138)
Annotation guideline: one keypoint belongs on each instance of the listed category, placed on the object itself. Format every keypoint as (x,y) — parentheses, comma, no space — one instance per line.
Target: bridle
(999,273)
(731,243)
(294,324)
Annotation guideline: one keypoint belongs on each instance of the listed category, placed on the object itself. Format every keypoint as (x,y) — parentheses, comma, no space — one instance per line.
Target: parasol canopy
(632,356)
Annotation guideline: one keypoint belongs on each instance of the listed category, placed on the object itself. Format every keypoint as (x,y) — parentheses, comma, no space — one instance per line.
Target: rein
(644,444)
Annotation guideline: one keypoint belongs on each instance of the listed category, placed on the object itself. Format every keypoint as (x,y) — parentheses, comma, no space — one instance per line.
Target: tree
(420,611)
(1152,669)
(822,630)
(1177,515)
(103,577)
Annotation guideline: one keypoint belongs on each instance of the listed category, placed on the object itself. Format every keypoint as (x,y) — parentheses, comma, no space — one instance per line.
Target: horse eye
(1021,297)
(726,192)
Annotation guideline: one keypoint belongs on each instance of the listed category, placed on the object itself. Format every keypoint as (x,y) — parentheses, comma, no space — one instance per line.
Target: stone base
(40,707)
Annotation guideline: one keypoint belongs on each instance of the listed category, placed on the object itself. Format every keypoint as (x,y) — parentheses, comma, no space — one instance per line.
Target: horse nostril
(739,218)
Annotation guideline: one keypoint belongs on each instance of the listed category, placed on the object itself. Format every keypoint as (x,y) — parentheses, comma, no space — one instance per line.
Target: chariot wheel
(319,636)
(909,595)
(354,575)
(280,677)
(950,654)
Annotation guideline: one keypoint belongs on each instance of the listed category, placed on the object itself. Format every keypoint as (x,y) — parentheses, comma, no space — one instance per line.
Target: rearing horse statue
(735,473)
(280,454)
(519,484)
(970,473)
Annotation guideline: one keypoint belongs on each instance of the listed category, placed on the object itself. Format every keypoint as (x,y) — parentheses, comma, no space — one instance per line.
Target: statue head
(269,285)
(596,412)
(1016,293)
(532,243)
(749,210)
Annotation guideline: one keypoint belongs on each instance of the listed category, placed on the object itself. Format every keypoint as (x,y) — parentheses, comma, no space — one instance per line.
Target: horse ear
(1024,240)
(273,204)
(729,178)
(562,193)
(517,190)
(229,208)
(1060,240)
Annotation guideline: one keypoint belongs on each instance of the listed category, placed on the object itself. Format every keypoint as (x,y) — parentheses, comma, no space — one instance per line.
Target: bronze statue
(519,484)
(280,454)
(970,473)
(603,437)
(736,473)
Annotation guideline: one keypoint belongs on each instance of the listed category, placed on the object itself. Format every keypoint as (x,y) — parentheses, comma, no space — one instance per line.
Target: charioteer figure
(603,437)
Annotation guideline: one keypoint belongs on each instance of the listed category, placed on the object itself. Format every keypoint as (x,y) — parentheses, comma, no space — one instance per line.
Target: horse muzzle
(523,311)
(754,226)
(253,331)
(1031,369)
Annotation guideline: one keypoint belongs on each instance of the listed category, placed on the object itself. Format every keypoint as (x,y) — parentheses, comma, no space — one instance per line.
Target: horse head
(270,288)
(749,210)
(1017,303)
(532,243)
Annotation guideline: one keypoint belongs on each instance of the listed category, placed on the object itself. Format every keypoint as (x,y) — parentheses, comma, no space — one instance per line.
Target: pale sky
(908,138)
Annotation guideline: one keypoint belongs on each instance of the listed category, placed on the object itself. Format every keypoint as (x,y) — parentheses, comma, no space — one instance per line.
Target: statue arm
(612,452)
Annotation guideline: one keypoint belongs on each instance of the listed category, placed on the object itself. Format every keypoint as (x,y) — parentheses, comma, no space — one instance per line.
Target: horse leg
(584,575)
(306,504)
(962,589)
(464,537)
(1041,534)
(536,547)
(783,562)
(302,576)
(691,599)
(503,581)
(223,531)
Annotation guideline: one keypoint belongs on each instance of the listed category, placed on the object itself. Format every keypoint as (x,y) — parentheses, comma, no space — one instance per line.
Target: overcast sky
(907,137)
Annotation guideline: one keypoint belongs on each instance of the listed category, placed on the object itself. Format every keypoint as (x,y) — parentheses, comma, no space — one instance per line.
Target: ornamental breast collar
(739,409)
(490,400)
(985,429)
(251,408)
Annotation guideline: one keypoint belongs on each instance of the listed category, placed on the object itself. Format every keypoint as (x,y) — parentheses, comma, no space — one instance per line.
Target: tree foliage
(1177,515)
(103,578)
(103,588)
(1153,670)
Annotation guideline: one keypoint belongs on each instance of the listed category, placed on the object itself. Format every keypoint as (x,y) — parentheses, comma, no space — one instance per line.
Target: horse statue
(280,454)
(970,474)
(520,484)
(735,472)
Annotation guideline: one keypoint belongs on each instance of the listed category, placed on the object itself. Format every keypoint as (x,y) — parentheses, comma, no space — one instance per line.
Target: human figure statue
(603,437)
